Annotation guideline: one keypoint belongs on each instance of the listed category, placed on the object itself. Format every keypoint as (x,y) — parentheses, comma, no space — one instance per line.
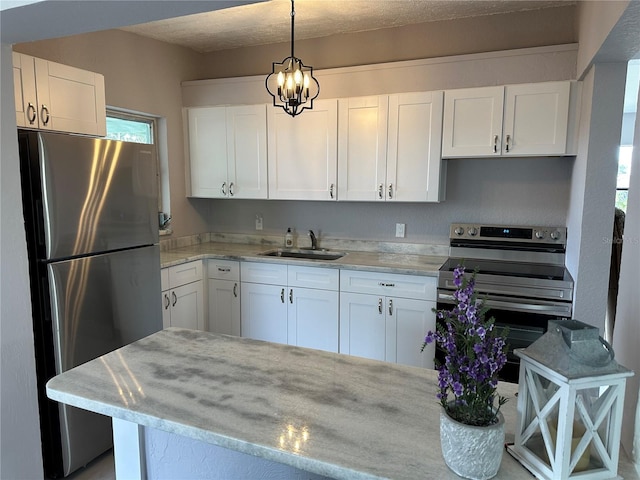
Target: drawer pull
(175,298)
(224,269)
(379,305)
(291,296)
(282,295)
(167,301)
(235,290)
(390,307)
(383,284)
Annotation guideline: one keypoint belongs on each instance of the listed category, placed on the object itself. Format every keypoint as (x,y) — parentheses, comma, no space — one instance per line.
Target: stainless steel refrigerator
(91,221)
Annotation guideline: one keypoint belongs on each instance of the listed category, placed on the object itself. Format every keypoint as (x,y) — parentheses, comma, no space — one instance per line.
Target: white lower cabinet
(385,316)
(223,281)
(290,304)
(183,296)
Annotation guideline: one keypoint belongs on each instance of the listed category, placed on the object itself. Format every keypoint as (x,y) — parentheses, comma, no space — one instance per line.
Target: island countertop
(350,417)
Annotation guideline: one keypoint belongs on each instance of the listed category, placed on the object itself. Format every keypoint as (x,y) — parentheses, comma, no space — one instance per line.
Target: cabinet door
(413,155)
(166,309)
(224,307)
(362,325)
(303,153)
(208,152)
(187,306)
(24,89)
(472,125)
(411,321)
(70,99)
(247,151)
(362,148)
(313,318)
(536,118)
(263,312)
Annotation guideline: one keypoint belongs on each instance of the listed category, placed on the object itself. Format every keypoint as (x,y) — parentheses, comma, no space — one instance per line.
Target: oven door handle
(504,305)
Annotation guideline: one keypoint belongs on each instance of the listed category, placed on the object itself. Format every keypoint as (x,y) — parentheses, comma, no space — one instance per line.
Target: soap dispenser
(288,239)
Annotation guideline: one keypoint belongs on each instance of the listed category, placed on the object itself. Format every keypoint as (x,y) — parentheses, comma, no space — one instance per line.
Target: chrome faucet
(314,240)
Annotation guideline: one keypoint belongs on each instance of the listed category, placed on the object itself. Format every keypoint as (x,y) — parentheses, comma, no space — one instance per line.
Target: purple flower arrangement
(475,351)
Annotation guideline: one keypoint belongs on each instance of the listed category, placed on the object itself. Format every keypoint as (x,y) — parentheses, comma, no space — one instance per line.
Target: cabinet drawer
(185,273)
(269,273)
(404,286)
(164,279)
(313,277)
(223,270)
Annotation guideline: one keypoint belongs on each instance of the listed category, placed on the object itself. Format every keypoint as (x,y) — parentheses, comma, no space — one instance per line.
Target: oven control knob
(459,231)
(540,234)
(555,235)
(473,231)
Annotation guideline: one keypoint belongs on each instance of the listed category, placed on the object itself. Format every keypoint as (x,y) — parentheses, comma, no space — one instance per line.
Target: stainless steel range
(520,275)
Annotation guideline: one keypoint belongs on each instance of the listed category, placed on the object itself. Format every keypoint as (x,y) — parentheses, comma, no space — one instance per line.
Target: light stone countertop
(385,262)
(360,418)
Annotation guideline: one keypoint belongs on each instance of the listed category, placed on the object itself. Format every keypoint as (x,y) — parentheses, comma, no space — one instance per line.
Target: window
(140,128)
(624,173)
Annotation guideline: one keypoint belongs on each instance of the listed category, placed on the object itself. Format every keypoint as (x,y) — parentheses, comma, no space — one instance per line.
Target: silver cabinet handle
(31,113)
(235,290)
(379,305)
(224,269)
(380,190)
(282,295)
(167,301)
(390,306)
(44,114)
(495,144)
(391,190)
(291,296)
(231,189)
(175,299)
(382,284)
(331,191)
(223,189)
(508,143)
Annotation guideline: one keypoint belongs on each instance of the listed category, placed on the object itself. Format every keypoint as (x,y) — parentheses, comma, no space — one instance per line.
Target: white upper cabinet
(413,149)
(516,120)
(52,96)
(228,151)
(303,153)
(389,147)
(362,148)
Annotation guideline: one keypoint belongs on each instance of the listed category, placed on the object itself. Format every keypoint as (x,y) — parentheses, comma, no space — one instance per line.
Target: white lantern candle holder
(570,404)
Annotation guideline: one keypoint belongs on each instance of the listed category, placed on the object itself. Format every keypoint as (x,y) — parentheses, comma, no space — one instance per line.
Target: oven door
(526,319)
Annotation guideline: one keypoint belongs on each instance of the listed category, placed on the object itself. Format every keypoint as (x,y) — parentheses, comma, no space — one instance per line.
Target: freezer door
(99,303)
(97,195)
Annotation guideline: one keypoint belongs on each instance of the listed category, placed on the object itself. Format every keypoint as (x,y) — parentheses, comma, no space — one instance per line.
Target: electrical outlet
(400,230)
(258,221)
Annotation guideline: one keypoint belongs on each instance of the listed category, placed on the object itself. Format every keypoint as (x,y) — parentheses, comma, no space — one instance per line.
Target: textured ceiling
(269,22)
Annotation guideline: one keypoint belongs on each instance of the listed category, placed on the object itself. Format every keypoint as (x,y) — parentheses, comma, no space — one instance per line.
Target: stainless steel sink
(304,254)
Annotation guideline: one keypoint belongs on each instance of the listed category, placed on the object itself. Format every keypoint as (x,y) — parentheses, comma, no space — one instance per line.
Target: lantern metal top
(573,350)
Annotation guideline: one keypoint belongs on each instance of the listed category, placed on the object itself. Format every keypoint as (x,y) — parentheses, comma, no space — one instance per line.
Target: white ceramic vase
(472,452)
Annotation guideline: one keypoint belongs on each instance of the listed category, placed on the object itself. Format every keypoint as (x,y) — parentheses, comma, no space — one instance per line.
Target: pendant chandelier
(291,83)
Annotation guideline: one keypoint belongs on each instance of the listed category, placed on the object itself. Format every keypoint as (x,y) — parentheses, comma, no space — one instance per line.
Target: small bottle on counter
(288,239)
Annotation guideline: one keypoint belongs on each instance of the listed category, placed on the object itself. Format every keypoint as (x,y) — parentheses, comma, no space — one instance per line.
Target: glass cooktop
(507,269)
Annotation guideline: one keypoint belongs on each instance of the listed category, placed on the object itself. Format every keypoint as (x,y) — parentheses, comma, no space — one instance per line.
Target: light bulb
(280,79)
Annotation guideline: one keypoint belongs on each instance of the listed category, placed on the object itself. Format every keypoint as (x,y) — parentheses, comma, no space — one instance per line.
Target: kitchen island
(199,405)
